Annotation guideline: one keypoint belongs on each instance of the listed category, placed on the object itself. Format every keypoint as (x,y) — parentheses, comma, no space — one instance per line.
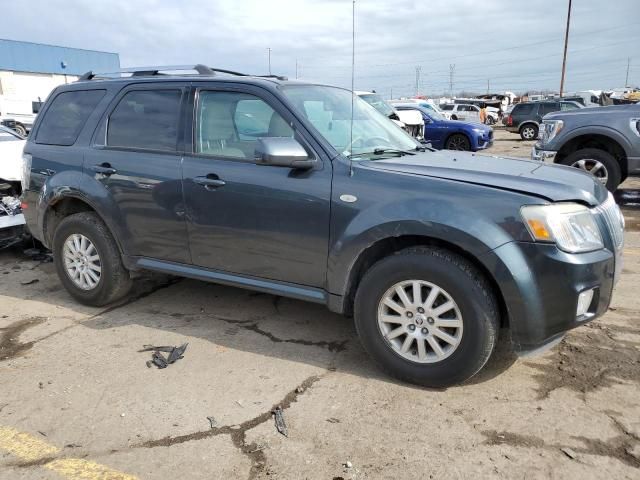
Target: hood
(410,117)
(551,182)
(11,160)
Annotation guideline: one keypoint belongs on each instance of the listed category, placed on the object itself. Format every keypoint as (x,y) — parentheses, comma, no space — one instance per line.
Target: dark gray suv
(306,191)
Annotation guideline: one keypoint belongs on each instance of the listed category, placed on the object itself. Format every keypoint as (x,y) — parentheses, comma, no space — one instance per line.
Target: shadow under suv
(306,191)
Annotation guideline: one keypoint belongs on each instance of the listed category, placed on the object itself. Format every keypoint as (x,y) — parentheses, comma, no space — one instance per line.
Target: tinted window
(523,109)
(66,116)
(446,107)
(568,106)
(146,119)
(548,108)
(229,124)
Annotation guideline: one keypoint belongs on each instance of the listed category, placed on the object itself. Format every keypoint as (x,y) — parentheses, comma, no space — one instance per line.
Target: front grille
(614,220)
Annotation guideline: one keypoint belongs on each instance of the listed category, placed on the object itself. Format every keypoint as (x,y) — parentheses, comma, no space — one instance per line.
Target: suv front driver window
(229,124)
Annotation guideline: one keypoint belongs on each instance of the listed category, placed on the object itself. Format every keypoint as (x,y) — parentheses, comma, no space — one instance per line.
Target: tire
(529,131)
(114,281)
(599,163)
(20,129)
(458,141)
(461,282)
(454,117)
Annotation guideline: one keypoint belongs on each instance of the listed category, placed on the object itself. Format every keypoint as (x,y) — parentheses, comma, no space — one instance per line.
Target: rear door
(247,219)
(136,156)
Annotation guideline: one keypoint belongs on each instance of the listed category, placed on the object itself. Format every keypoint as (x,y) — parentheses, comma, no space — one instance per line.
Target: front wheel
(427,316)
(88,261)
(602,165)
(458,142)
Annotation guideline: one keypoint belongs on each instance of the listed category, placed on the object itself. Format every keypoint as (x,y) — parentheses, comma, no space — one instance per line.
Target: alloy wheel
(82,262)
(594,167)
(420,321)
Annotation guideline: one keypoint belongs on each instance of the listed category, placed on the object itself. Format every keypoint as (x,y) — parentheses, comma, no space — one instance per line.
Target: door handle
(104,168)
(210,182)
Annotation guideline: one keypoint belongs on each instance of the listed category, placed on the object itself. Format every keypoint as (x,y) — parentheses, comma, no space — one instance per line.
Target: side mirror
(282,152)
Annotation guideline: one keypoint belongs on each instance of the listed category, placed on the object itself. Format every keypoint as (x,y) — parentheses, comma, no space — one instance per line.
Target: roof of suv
(157,73)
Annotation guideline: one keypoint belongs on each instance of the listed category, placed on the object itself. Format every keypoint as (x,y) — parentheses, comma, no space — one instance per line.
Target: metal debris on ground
(159,360)
(280,425)
(29,282)
(212,422)
(569,453)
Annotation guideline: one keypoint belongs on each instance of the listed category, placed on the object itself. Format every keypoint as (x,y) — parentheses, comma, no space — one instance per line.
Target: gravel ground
(78,402)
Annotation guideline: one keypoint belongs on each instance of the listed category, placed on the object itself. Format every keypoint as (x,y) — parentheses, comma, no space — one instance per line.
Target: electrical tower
(452,71)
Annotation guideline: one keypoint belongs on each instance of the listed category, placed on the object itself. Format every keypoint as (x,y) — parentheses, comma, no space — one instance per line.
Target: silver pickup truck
(604,141)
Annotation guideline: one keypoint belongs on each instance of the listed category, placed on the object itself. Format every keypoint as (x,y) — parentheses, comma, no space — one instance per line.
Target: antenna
(353,64)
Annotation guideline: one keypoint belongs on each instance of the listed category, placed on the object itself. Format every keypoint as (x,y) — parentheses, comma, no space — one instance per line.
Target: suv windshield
(329,111)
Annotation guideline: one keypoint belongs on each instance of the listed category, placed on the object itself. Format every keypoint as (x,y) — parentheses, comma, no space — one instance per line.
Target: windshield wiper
(383,151)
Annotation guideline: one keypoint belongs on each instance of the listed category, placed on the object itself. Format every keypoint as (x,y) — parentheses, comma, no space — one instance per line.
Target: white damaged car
(409,120)
(12,224)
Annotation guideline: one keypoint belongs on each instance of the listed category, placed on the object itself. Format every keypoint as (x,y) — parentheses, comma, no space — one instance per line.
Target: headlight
(550,128)
(478,131)
(570,226)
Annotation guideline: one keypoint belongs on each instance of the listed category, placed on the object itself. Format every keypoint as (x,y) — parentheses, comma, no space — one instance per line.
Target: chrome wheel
(420,321)
(82,261)
(528,133)
(594,167)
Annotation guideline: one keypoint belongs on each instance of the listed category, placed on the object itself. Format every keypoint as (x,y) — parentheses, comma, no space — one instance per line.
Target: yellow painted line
(24,446)
(30,449)
(78,469)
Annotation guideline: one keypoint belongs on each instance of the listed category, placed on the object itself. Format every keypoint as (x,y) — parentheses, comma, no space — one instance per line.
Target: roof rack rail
(150,71)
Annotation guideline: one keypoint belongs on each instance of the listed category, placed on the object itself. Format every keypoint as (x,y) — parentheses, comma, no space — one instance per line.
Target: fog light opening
(584,302)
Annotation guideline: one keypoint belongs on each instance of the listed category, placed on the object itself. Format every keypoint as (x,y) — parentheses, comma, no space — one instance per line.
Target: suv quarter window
(549,107)
(523,109)
(229,124)
(146,119)
(66,116)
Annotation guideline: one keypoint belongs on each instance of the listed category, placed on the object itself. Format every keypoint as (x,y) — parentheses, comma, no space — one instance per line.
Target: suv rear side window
(523,109)
(146,119)
(548,108)
(66,116)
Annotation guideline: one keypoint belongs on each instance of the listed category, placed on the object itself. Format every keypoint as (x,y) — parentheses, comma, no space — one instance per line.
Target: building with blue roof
(30,71)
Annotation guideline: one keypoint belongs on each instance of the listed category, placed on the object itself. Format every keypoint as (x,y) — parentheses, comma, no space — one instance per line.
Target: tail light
(510,121)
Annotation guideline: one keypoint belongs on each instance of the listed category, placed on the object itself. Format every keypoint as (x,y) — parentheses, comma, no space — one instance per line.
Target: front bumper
(483,140)
(543,155)
(540,285)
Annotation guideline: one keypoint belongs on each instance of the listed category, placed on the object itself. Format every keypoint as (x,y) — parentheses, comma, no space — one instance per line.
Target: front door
(262,221)
(136,157)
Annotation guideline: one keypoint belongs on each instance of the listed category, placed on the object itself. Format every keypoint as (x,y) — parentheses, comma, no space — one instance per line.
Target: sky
(500,45)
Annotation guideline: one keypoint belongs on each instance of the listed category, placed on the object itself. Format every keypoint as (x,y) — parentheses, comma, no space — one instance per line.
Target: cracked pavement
(72,377)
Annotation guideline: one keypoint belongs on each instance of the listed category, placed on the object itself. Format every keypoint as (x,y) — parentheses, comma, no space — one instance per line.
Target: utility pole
(296,68)
(488,85)
(626,82)
(564,57)
(391,94)
(418,68)
(452,70)
(269,57)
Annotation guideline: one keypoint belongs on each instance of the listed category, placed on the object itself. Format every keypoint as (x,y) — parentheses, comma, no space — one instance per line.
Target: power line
(476,54)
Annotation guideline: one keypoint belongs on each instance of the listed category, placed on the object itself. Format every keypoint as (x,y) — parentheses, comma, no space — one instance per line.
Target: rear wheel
(458,141)
(529,131)
(20,129)
(598,163)
(88,261)
(427,316)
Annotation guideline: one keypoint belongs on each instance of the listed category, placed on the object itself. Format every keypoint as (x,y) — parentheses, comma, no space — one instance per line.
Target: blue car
(451,134)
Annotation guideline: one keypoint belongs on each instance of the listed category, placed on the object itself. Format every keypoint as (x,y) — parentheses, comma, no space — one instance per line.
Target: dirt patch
(593,358)
(10,346)
(513,439)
